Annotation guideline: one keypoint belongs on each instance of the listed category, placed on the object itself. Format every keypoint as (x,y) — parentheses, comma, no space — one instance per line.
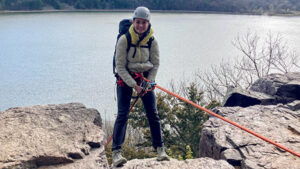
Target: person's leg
(153,118)
(124,96)
(149,102)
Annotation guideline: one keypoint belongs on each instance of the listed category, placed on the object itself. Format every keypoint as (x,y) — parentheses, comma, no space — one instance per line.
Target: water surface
(52,58)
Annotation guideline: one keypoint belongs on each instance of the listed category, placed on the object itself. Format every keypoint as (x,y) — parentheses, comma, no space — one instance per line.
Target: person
(140,61)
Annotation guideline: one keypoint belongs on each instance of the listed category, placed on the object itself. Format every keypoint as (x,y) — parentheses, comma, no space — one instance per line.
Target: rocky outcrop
(284,87)
(279,122)
(273,89)
(68,136)
(65,136)
(200,163)
(221,140)
(243,98)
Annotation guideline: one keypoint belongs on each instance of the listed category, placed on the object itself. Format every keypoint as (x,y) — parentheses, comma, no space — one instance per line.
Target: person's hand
(151,85)
(139,90)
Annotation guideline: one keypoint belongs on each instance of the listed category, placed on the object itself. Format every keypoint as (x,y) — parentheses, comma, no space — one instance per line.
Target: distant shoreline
(128,10)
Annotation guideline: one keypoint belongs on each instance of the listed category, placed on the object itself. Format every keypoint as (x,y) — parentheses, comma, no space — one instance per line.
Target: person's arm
(154,59)
(121,62)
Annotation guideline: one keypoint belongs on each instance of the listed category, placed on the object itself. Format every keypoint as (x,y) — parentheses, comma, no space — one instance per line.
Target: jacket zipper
(140,56)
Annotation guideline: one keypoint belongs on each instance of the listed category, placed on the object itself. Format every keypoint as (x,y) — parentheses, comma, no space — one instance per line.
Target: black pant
(124,96)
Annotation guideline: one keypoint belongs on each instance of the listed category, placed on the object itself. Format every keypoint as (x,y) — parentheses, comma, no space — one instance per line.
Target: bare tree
(258,59)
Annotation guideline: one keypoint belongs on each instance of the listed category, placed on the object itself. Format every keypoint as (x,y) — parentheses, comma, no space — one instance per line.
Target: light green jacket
(143,60)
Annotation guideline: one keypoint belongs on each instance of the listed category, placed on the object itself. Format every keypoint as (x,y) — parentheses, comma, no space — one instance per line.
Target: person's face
(140,25)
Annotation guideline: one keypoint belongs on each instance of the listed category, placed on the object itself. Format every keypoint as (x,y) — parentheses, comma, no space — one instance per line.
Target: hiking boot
(117,159)
(161,154)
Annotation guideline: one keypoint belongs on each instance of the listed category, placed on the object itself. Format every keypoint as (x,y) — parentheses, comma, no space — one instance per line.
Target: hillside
(270,7)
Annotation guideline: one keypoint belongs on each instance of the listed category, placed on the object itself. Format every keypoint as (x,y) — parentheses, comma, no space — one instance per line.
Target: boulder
(243,98)
(272,89)
(199,163)
(64,136)
(279,123)
(284,87)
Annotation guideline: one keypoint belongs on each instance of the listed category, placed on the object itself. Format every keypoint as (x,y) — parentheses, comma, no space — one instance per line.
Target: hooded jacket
(138,59)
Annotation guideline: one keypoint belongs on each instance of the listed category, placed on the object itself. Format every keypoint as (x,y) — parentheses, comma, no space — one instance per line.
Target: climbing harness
(138,77)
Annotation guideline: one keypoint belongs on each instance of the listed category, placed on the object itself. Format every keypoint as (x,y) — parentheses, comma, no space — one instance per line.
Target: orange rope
(228,121)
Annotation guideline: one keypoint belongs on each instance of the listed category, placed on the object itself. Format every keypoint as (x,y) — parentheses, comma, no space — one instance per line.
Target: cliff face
(275,114)
(62,136)
(68,136)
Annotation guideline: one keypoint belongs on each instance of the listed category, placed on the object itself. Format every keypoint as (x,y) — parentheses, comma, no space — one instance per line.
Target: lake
(53,58)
